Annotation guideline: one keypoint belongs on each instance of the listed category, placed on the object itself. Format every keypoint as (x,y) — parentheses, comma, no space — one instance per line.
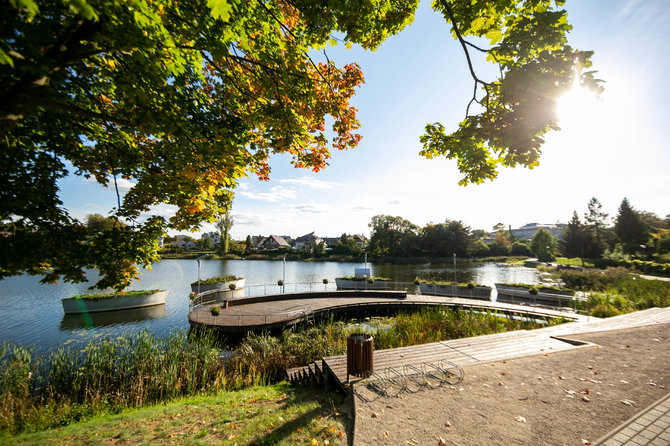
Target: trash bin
(359,355)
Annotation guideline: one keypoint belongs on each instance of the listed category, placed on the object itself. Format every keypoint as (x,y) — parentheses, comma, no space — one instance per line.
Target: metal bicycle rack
(410,380)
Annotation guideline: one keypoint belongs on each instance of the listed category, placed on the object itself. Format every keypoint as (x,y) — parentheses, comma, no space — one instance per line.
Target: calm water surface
(32,314)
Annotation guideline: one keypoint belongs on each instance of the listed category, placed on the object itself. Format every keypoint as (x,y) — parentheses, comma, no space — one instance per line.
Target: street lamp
(454,287)
(198,259)
(283,287)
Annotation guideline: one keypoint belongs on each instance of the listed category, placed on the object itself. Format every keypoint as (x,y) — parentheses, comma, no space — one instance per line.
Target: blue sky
(610,149)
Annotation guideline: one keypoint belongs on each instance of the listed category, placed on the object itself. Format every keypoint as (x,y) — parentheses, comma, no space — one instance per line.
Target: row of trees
(632,233)
(186,98)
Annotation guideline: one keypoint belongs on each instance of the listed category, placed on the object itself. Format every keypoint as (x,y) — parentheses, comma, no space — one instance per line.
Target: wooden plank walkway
(277,313)
(498,347)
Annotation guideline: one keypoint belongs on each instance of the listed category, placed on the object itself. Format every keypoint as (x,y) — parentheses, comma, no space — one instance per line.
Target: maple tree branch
(290,32)
(464,45)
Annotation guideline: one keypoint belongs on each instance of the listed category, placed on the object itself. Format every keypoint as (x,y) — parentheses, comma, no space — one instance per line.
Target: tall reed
(108,374)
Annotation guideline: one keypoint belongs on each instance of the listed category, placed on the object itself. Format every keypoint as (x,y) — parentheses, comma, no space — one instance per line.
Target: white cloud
(277,193)
(394,202)
(311,183)
(123,184)
(163,210)
(311,208)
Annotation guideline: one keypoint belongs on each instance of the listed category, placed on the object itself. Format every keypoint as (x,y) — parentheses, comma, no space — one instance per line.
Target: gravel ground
(567,398)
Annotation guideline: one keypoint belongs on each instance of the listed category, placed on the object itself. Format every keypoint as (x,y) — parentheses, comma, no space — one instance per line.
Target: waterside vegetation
(98,296)
(110,375)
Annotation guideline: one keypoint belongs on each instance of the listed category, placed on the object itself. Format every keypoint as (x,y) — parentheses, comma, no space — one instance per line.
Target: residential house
(273,242)
(214,236)
(184,242)
(360,240)
(307,240)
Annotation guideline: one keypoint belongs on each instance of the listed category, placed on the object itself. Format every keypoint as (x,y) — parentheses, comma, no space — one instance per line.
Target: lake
(32,314)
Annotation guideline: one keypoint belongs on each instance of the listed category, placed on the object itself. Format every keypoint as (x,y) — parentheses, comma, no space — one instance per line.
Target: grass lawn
(278,414)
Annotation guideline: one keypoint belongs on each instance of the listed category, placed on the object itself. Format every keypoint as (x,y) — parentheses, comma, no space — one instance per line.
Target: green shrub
(215,311)
(217,280)
(96,296)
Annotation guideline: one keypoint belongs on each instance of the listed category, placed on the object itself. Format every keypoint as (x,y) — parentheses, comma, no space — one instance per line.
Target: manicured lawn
(277,414)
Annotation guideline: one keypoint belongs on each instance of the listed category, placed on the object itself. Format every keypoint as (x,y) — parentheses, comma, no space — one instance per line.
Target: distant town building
(529,230)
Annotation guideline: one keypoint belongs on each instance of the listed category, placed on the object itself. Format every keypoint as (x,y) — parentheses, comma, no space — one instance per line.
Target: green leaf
(332,42)
(82,8)
(29,5)
(5,59)
(221,9)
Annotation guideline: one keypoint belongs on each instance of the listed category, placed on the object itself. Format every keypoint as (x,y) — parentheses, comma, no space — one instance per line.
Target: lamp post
(454,267)
(283,287)
(644,259)
(454,290)
(198,259)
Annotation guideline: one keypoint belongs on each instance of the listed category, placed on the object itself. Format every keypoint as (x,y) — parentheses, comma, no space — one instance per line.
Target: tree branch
(464,45)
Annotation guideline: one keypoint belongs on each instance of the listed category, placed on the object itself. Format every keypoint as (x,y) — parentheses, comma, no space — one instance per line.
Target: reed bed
(616,291)
(66,385)
(264,358)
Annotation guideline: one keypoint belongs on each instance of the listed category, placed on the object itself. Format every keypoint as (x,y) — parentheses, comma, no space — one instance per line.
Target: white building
(529,230)
(214,236)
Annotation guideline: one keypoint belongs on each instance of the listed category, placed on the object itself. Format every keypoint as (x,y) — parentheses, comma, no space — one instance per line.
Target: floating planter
(468,291)
(94,303)
(536,295)
(362,283)
(222,283)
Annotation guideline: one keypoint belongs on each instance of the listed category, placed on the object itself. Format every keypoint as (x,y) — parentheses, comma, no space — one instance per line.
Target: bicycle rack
(410,380)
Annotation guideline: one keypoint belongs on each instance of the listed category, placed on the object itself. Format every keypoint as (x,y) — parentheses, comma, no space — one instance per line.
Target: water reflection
(32,314)
(102,319)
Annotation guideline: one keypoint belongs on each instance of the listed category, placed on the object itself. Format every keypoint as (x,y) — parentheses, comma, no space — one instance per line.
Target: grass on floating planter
(97,296)
(217,280)
(468,285)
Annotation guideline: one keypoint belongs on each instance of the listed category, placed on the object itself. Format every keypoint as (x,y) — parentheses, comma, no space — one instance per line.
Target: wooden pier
(284,310)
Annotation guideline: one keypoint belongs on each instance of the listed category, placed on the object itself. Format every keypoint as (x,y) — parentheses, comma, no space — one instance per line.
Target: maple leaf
(221,9)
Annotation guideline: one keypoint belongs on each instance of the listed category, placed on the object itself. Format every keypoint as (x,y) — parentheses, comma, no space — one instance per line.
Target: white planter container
(219,286)
(72,305)
(348,284)
(478,292)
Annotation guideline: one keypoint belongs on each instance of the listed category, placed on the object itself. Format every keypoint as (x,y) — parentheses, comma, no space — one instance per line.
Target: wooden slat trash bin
(359,355)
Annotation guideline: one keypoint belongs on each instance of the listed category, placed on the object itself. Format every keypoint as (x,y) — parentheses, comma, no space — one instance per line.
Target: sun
(579,110)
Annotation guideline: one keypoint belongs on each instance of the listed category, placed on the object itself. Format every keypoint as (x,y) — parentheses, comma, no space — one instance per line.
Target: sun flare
(578,109)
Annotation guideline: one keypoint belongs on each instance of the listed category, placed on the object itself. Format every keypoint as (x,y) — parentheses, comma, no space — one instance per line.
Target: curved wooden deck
(277,311)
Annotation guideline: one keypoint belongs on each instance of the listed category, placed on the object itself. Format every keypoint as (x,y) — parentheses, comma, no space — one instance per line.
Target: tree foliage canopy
(185,98)
(528,42)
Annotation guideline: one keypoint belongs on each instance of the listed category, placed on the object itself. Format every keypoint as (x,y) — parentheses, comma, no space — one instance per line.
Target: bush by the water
(616,291)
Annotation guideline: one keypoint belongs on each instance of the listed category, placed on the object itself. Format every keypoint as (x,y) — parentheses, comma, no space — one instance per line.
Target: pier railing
(215,297)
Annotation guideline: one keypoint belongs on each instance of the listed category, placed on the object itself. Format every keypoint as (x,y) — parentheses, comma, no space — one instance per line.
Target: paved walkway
(649,427)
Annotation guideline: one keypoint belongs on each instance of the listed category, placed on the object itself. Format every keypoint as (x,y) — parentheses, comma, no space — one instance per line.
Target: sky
(610,148)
